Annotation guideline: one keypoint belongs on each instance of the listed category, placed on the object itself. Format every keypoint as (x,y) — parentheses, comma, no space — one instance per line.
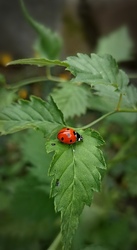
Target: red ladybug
(69,136)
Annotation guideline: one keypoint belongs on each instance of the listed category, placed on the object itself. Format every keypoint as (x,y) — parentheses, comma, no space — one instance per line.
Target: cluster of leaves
(76,170)
(97,80)
(77,177)
(76,166)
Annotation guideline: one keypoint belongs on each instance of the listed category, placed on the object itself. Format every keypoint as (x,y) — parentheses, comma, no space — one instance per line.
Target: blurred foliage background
(27,217)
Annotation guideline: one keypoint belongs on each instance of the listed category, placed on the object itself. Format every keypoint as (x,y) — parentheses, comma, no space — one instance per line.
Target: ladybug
(69,136)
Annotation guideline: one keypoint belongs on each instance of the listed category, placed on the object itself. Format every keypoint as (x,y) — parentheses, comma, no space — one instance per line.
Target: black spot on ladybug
(53,144)
(68,129)
(70,140)
(62,139)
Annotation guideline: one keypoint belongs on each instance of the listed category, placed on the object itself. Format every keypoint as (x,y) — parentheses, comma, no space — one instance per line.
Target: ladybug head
(79,137)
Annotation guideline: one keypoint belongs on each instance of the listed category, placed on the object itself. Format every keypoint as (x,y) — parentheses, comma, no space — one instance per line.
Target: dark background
(80,22)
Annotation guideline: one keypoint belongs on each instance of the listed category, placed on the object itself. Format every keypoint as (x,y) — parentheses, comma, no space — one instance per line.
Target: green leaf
(113,44)
(97,69)
(72,99)
(39,62)
(76,171)
(49,43)
(35,113)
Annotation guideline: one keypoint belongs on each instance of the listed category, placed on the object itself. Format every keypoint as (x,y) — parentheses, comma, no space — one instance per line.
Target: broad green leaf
(113,44)
(49,43)
(72,99)
(40,62)
(95,69)
(76,171)
(35,113)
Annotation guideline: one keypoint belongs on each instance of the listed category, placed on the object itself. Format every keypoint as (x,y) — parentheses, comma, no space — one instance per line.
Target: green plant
(77,170)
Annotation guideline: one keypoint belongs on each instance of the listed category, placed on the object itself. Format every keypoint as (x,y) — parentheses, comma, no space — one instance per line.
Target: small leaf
(39,62)
(113,44)
(71,99)
(35,113)
(77,168)
(49,43)
(96,69)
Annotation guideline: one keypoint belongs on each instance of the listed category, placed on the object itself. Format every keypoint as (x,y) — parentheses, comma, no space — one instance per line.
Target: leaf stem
(55,243)
(53,78)
(119,102)
(108,114)
(99,119)
(34,80)
(127,110)
(27,81)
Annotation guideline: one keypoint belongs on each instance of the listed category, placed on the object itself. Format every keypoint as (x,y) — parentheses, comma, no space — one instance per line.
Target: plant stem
(99,119)
(108,114)
(35,79)
(56,79)
(27,81)
(55,243)
(127,110)
(119,102)
(53,78)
